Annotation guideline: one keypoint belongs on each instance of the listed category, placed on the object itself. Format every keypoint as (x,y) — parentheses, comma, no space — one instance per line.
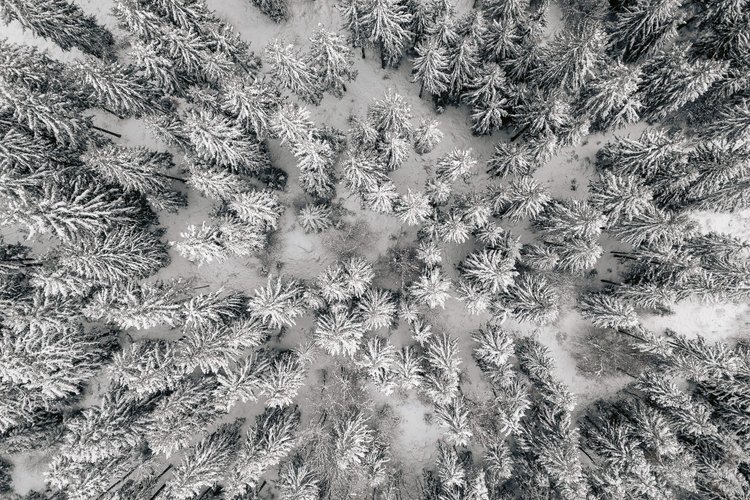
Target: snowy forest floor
(296,254)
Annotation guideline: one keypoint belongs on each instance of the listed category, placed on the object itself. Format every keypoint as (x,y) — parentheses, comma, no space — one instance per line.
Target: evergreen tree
(644,25)
(278,304)
(455,164)
(611,98)
(572,57)
(511,158)
(315,218)
(257,208)
(297,481)
(71,207)
(524,198)
(654,151)
(253,102)
(413,208)
(138,306)
(606,311)
(386,25)
(266,445)
(292,125)
(431,288)
(206,464)
(455,416)
(332,60)
(339,332)
(426,136)
(220,142)
(731,122)
(671,80)
(390,114)
(531,298)
(135,170)
(111,257)
(294,72)
(463,67)
(577,254)
(491,270)
(61,21)
(620,198)
(539,115)
(275,9)
(114,87)
(655,227)
(430,68)
(377,308)
(570,219)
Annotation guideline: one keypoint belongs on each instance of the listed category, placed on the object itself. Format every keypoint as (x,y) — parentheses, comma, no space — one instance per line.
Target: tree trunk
(363,52)
(519,133)
(113,113)
(610,282)
(158,492)
(382,56)
(167,176)
(421,89)
(115,134)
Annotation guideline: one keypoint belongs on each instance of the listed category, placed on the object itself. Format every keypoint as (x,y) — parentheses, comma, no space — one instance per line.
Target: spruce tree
(430,68)
(572,57)
(332,60)
(61,21)
(386,24)
(645,25)
(294,71)
(611,98)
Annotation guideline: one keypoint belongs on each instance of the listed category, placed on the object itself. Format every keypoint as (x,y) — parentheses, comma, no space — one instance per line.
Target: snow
(301,255)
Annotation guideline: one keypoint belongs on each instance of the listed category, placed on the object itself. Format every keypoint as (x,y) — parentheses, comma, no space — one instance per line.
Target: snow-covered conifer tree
(277,304)
(294,71)
(611,98)
(532,298)
(138,306)
(607,311)
(645,25)
(572,57)
(431,288)
(431,68)
(455,164)
(386,25)
(339,331)
(332,60)
(426,136)
(315,218)
(413,207)
(61,21)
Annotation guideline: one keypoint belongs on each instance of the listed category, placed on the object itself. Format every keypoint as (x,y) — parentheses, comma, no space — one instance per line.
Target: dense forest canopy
(132,369)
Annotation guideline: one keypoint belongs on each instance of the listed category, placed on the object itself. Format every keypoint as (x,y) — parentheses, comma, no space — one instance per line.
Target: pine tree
(315,161)
(339,332)
(377,308)
(491,270)
(671,80)
(111,257)
(293,71)
(413,208)
(257,208)
(606,311)
(182,415)
(220,142)
(510,10)
(431,68)
(278,304)
(427,136)
(315,218)
(206,464)
(644,26)
(390,114)
(611,99)
(292,125)
(407,368)
(524,198)
(332,60)
(572,57)
(455,416)
(242,381)
(730,122)
(114,87)
(541,115)
(138,306)
(654,151)
(382,198)
(297,481)
(50,114)
(490,85)
(71,207)
(267,443)
(282,379)
(570,219)
(253,102)
(275,9)
(136,169)
(62,22)
(620,198)
(455,164)
(489,116)
(453,228)
(463,67)
(431,288)
(655,227)
(531,298)
(511,158)
(577,254)
(387,26)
